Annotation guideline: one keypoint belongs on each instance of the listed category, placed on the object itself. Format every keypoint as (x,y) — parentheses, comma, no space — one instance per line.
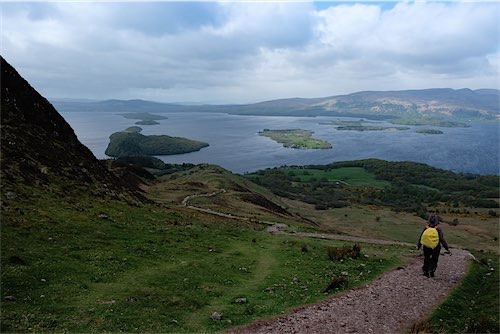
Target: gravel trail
(390,304)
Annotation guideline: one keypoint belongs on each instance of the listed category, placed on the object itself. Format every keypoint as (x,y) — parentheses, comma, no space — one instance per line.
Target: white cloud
(239,52)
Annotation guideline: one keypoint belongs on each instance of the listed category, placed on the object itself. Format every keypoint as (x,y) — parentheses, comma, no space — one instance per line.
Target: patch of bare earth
(390,304)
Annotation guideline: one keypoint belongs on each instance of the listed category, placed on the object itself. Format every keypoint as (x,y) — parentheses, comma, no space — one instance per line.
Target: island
(147,122)
(360,126)
(131,142)
(133,129)
(430,131)
(429,121)
(296,138)
(145,118)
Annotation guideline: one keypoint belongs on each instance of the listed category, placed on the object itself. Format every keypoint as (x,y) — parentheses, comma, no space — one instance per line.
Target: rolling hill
(439,103)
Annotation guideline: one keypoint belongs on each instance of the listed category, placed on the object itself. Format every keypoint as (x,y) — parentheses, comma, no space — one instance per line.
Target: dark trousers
(431,257)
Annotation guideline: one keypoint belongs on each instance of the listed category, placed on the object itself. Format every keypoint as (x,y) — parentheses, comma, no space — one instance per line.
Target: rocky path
(389,304)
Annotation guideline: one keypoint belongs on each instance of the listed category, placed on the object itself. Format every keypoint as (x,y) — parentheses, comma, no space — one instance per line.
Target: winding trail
(390,304)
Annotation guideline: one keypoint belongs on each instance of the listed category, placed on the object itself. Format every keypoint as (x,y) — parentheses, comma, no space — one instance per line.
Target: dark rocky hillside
(39,150)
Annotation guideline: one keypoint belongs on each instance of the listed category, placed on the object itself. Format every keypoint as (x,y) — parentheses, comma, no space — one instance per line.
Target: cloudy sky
(238,52)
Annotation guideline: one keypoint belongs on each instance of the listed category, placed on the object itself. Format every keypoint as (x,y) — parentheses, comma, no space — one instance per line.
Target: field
(350,176)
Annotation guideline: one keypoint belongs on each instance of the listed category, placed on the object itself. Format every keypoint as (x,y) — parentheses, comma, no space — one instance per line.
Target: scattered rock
(10,195)
(241,300)
(132,299)
(10,298)
(103,216)
(106,302)
(277,228)
(344,273)
(216,316)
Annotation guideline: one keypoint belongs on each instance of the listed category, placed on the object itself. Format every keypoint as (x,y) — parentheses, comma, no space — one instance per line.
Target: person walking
(431,239)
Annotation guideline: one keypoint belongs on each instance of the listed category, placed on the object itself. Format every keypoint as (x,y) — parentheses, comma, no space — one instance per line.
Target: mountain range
(440,103)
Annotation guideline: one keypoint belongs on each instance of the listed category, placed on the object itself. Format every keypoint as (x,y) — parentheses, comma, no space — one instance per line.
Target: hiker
(431,239)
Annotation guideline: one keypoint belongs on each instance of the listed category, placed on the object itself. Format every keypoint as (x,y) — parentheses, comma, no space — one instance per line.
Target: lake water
(236,145)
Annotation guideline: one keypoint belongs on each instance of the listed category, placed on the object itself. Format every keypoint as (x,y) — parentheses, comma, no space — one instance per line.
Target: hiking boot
(426,274)
(432,274)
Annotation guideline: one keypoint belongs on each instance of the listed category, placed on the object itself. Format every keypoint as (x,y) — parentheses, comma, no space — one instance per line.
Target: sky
(242,52)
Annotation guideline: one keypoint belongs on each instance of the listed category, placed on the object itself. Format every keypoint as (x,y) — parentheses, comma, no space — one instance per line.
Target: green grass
(474,306)
(353,176)
(150,269)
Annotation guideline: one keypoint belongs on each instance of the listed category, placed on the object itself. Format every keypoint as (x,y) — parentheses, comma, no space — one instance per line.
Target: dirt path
(389,304)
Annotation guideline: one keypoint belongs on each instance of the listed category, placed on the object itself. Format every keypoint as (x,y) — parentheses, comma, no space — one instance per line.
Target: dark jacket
(441,237)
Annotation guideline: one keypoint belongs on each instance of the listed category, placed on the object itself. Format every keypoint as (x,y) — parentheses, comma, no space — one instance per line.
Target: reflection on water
(236,145)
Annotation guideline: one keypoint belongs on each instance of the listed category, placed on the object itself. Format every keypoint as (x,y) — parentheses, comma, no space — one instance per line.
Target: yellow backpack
(430,237)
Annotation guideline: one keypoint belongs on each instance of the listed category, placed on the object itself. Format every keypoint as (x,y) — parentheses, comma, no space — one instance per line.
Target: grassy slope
(158,269)
(86,265)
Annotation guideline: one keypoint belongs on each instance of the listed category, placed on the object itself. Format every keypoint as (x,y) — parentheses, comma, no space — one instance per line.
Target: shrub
(321,206)
(337,282)
(339,253)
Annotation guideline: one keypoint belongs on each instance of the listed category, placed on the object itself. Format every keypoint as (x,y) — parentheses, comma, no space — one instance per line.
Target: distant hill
(68,105)
(441,103)
(444,102)
(39,150)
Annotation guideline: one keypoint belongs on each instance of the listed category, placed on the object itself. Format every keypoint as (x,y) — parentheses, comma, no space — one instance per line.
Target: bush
(337,282)
(339,253)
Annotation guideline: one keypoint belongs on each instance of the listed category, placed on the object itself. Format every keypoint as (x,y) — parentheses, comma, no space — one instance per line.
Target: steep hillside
(39,150)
